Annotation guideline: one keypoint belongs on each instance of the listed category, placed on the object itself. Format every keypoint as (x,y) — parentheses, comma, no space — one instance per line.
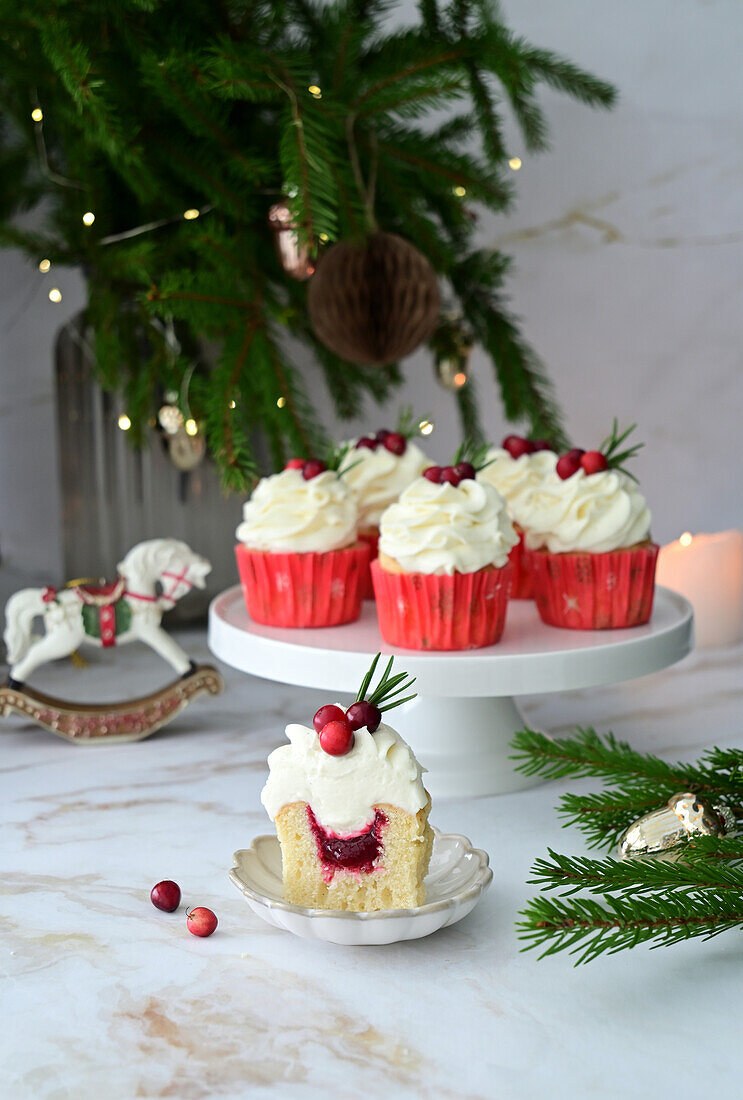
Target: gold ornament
(293,256)
(373,301)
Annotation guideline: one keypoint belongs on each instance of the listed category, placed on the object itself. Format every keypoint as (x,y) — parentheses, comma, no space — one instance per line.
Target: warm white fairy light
(191,213)
(459,379)
(514,163)
(280,403)
(191,426)
(686,538)
(44,266)
(37,114)
(324,238)
(55,294)
(88,217)
(315,91)
(233,404)
(460,191)
(425,427)
(124,422)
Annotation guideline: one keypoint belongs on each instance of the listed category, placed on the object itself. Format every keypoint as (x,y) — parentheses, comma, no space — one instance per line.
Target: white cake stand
(464,717)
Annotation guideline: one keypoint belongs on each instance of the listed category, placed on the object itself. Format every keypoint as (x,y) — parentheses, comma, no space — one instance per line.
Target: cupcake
(350,808)
(442,577)
(515,468)
(588,525)
(299,557)
(378,468)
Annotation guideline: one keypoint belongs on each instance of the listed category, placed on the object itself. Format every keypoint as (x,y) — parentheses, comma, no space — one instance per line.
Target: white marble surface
(105,996)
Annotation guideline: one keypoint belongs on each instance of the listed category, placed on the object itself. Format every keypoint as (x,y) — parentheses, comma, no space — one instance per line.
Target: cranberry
(395,442)
(433,473)
(465,470)
(336,738)
(312,468)
(328,713)
(567,465)
(540,445)
(449,476)
(593,462)
(200,921)
(576,452)
(294,464)
(517,446)
(382,434)
(364,714)
(166,895)
(367,441)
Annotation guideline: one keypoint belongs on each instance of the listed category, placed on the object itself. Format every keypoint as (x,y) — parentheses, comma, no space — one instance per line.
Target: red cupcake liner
(372,541)
(418,611)
(595,591)
(522,584)
(303,589)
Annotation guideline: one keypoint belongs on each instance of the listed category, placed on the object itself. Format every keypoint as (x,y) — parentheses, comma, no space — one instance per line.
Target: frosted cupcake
(589,527)
(350,808)
(515,468)
(378,468)
(300,560)
(442,576)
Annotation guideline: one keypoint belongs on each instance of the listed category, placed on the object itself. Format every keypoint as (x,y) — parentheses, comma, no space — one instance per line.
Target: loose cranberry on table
(200,921)
(328,713)
(312,468)
(363,713)
(166,895)
(336,738)
(593,462)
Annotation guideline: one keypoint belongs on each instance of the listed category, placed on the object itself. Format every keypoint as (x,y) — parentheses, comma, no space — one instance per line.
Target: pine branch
(568,874)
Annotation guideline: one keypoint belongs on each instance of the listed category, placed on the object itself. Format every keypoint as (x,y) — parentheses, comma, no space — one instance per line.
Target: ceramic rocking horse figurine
(151,579)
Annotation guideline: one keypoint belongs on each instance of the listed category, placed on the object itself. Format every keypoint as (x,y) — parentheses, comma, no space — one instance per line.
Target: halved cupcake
(300,560)
(515,468)
(378,468)
(593,560)
(350,808)
(442,577)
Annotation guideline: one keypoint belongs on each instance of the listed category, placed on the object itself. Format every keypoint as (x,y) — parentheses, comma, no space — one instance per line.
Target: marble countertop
(105,996)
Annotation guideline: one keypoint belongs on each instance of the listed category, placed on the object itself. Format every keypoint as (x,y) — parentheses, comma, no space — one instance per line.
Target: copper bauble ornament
(293,256)
(373,301)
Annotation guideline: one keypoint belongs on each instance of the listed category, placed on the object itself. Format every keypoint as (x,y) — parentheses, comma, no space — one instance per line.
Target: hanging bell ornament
(662,832)
(452,345)
(293,256)
(186,451)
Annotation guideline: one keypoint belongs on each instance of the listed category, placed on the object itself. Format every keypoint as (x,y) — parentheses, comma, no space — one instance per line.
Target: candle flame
(685,539)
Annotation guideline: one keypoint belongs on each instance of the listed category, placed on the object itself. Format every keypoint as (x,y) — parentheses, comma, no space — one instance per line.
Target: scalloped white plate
(457,876)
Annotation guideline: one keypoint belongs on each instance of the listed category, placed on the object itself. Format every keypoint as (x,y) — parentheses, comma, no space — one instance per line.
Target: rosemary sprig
(386,695)
(474,453)
(611,452)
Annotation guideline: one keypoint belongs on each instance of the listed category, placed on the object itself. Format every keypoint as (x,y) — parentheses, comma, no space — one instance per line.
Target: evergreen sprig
(610,448)
(151,109)
(389,690)
(608,904)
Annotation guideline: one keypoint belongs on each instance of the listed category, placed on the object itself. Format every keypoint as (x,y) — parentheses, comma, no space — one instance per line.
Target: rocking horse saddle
(101,595)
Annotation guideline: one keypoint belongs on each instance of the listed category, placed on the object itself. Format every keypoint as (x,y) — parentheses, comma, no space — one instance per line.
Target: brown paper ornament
(373,301)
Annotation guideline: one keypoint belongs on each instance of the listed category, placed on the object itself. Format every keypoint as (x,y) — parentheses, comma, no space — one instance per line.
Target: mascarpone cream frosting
(593,513)
(446,529)
(288,514)
(343,790)
(515,477)
(379,476)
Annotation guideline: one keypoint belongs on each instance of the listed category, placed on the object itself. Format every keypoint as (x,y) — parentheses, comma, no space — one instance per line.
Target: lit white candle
(708,571)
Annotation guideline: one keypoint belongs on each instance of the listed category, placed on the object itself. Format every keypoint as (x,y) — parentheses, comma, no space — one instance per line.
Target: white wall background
(628,275)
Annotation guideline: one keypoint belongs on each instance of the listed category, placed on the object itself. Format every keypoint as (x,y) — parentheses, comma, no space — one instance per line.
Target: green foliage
(152,108)
(631,901)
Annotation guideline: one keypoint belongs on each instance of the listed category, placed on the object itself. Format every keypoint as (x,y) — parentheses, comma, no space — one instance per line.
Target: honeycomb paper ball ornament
(373,301)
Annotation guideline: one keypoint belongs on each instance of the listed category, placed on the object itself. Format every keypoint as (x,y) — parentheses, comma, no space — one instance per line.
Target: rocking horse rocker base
(91,723)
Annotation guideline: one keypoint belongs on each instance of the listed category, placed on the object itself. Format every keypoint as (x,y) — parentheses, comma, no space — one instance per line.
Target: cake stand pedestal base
(464,743)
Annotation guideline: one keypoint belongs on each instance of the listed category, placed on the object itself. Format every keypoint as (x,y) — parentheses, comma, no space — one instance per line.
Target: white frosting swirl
(378,477)
(515,477)
(447,529)
(288,514)
(594,513)
(343,790)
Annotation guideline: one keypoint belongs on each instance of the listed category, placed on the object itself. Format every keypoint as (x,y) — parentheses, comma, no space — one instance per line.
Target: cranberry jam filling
(357,852)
